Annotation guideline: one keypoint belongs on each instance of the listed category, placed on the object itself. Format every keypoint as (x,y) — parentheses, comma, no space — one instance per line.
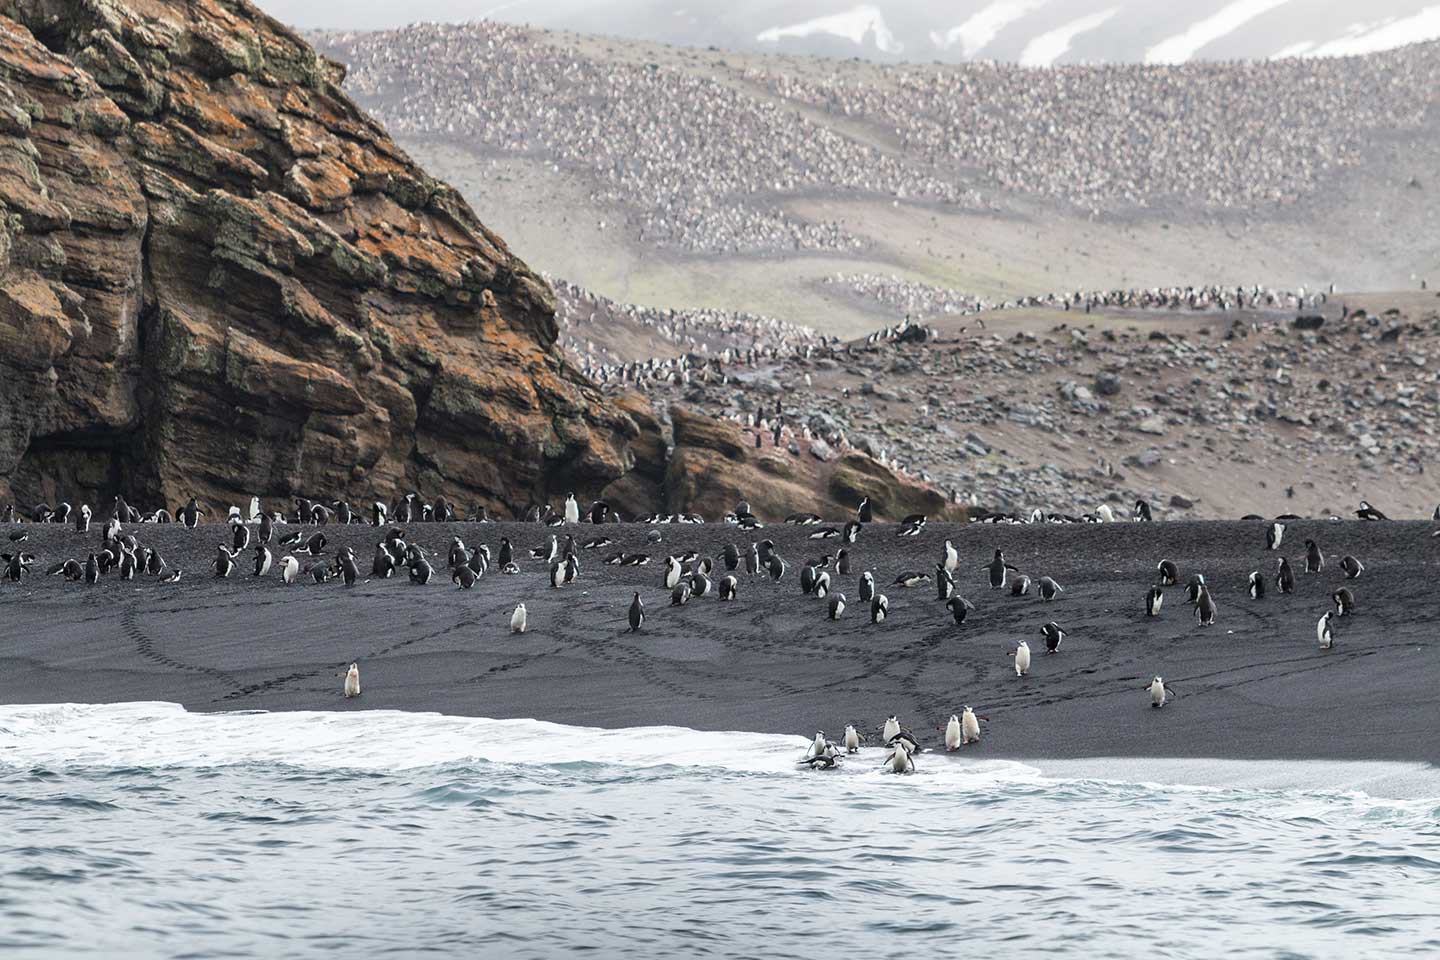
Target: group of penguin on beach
(686,577)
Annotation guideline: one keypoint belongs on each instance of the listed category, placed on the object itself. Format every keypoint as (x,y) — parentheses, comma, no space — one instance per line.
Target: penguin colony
(280,539)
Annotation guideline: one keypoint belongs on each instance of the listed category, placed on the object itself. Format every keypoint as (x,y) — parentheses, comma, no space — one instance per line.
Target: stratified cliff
(218,276)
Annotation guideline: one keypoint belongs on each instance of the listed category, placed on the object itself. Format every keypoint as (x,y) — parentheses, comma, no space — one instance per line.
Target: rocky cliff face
(219,278)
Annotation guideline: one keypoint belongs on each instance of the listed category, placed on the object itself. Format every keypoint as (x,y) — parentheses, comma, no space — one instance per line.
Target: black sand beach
(1255,685)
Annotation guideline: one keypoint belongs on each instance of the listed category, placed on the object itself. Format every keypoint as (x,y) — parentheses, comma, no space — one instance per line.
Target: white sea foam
(853,25)
(165,735)
(1383,35)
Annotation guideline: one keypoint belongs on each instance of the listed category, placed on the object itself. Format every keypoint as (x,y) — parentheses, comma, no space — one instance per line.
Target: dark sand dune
(1254,685)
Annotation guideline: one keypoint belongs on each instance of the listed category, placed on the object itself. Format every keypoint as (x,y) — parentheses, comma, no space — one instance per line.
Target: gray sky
(1030,31)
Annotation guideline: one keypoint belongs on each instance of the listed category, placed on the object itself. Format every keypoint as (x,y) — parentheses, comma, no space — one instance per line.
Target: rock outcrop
(218,276)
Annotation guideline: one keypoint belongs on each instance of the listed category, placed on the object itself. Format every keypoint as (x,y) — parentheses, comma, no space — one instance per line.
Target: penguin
(899,760)
(680,595)
(851,739)
(82,519)
(1053,635)
(319,572)
(842,563)
(506,556)
(891,729)
(959,607)
(951,560)
(263,559)
(999,570)
(190,514)
(349,572)
(865,513)
(867,587)
(572,509)
(1351,567)
(728,588)
(752,560)
(1314,559)
(969,726)
(879,608)
(153,563)
(825,533)
(821,589)
(1105,514)
(850,533)
(462,576)
(1170,573)
(315,546)
(636,614)
(267,528)
(1021,586)
(1154,600)
(836,607)
(241,536)
(72,569)
(1159,693)
(289,569)
(699,585)
(599,512)
(807,579)
(730,557)
(672,572)
(944,583)
(352,681)
(557,573)
(1194,588)
(911,525)
(518,619)
(1285,578)
(128,565)
(457,553)
(1344,602)
(420,572)
(1022,659)
(224,562)
(173,576)
(1257,585)
(1205,609)
(1323,632)
(384,563)
(952,733)
(1367,512)
(776,567)
(1049,589)
(1274,534)
(1142,512)
(911,578)
(92,569)
(379,513)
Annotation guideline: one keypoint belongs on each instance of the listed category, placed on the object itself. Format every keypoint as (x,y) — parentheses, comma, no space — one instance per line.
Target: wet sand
(1255,685)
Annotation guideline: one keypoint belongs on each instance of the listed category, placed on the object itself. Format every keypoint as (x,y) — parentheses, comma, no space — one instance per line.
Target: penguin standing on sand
(1169,573)
(998,570)
(1154,600)
(352,681)
(349,572)
(289,569)
(1022,658)
(952,733)
(752,560)
(837,606)
(951,559)
(867,587)
(959,607)
(1159,693)
(842,563)
(1323,632)
(851,532)
(728,588)
(672,572)
(1314,559)
(1351,567)
(821,589)
(518,619)
(680,595)
(865,513)
(776,566)
(1344,602)
(879,608)
(969,726)
(637,613)
(944,582)
(1285,578)
(82,519)
(1274,535)
(1257,585)
(263,559)
(191,513)
(1053,635)
(572,509)
(1142,512)
(1049,589)
(731,557)
(1205,609)
(224,562)
(1021,586)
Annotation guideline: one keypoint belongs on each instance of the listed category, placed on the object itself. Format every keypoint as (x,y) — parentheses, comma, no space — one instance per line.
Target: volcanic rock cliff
(219,277)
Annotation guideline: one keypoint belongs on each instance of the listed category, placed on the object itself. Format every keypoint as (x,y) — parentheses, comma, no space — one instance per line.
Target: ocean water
(142,830)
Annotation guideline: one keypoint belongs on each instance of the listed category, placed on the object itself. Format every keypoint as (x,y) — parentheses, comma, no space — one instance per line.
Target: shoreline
(1253,687)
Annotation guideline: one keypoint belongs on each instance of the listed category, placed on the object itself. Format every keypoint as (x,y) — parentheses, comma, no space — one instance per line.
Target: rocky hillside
(219,277)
